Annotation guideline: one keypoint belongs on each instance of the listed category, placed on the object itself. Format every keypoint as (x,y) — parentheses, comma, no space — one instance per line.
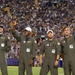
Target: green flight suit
(5,46)
(68,49)
(27,52)
(51,50)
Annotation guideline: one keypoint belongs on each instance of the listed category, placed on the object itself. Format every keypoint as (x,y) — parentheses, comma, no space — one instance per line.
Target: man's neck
(50,39)
(28,36)
(1,33)
(67,36)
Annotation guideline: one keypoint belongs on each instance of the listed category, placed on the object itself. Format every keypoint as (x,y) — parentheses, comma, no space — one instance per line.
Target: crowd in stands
(50,14)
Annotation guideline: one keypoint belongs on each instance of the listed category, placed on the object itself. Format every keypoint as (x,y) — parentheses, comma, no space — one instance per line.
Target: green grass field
(13,70)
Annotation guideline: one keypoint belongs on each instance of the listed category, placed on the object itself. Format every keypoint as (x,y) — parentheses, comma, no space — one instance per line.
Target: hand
(41,62)
(31,62)
(56,63)
(13,24)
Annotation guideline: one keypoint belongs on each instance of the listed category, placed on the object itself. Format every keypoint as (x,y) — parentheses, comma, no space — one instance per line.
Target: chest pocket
(29,44)
(72,46)
(2,43)
(69,46)
(50,47)
(64,48)
(47,46)
(53,48)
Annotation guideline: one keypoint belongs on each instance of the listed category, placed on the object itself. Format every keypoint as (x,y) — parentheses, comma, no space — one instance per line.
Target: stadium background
(41,15)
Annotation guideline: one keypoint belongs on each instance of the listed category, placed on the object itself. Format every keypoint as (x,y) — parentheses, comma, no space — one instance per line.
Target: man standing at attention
(68,51)
(51,48)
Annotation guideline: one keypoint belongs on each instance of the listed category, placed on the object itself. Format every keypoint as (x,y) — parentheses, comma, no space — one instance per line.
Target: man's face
(67,31)
(1,30)
(50,35)
(27,33)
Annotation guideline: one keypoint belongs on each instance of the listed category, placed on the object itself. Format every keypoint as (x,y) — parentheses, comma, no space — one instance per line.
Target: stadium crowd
(53,15)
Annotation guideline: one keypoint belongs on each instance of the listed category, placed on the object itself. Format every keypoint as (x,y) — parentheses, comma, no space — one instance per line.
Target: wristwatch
(57,59)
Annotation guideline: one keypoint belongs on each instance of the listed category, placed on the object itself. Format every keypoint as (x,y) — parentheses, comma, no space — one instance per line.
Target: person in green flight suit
(68,51)
(28,47)
(52,50)
(5,46)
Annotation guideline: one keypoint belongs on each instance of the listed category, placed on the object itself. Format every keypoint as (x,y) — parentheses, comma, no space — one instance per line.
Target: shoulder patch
(64,41)
(43,40)
(35,41)
(28,41)
(9,38)
(58,43)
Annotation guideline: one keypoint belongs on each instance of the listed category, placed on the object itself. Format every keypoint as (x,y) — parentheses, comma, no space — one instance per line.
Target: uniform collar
(68,37)
(50,40)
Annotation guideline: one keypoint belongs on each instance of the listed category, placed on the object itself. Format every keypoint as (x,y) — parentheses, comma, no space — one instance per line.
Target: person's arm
(57,57)
(16,35)
(41,53)
(34,48)
(58,50)
(33,51)
(62,54)
(14,31)
(58,53)
(8,44)
(40,60)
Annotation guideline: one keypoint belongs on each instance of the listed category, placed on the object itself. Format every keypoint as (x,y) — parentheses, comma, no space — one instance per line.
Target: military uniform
(51,50)
(27,52)
(5,46)
(68,50)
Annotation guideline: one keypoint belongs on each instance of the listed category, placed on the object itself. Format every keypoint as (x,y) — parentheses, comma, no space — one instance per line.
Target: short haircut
(66,27)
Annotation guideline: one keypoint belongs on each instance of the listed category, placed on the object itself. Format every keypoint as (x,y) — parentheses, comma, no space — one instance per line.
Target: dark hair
(1,26)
